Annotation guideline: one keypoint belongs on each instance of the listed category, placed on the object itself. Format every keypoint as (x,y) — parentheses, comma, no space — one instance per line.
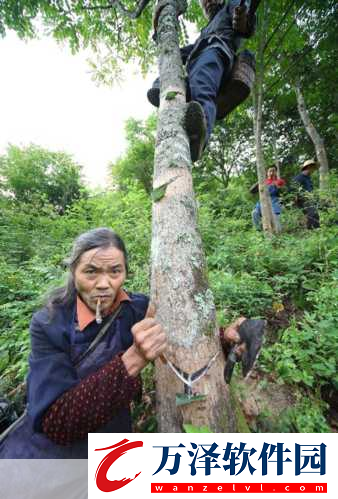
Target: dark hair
(95,238)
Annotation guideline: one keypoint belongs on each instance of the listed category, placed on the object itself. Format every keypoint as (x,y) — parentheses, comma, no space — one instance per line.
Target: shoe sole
(196,129)
(153,96)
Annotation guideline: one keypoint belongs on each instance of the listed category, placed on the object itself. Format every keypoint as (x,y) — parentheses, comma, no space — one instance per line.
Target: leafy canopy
(37,176)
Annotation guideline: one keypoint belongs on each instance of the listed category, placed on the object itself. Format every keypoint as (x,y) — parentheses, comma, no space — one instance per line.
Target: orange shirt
(85,316)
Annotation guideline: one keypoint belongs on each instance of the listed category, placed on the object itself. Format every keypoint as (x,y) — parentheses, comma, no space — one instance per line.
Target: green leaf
(159,193)
(189,428)
(183,399)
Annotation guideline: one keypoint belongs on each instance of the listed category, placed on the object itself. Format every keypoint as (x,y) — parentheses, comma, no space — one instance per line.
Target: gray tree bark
(317,140)
(268,218)
(277,161)
(179,285)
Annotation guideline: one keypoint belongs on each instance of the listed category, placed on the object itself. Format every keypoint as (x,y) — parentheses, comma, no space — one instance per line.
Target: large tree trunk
(317,140)
(179,287)
(268,218)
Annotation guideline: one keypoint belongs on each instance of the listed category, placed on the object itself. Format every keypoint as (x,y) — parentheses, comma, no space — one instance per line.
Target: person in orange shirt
(274,184)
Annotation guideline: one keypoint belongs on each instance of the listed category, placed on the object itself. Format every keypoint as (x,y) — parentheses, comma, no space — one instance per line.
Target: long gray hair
(95,238)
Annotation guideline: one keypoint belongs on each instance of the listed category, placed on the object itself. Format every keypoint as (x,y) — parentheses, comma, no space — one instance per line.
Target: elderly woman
(89,344)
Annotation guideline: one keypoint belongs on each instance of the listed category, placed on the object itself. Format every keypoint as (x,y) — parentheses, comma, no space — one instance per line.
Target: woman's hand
(150,342)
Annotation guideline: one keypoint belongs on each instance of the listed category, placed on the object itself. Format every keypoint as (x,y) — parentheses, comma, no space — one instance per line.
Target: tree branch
(116,4)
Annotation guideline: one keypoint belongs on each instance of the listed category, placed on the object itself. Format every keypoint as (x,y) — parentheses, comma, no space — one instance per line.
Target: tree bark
(317,140)
(179,286)
(268,218)
(277,161)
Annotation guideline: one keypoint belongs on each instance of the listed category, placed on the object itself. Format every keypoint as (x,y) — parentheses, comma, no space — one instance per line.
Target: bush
(307,352)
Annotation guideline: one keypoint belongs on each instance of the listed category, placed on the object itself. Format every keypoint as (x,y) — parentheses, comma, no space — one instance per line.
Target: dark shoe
(251,332)
(153,93)
(196,128)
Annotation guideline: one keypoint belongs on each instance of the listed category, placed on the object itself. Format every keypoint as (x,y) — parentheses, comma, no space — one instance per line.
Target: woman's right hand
(150,341)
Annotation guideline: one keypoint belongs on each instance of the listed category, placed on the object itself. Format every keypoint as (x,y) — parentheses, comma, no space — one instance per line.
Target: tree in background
(301,40)
(301,52)
(36,176)
(268,219)
(138,161)
(317,140)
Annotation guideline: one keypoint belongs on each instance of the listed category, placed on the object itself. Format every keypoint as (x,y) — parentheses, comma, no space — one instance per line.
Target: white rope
(188,381)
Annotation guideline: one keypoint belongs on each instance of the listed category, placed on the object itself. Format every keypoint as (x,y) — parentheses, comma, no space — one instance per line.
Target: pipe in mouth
(98,316)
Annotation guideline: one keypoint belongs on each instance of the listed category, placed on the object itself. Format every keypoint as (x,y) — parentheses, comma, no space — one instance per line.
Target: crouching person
(89,345)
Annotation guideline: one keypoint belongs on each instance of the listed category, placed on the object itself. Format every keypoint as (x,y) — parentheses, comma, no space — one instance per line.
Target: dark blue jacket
(304,181)
(55,348)
(219,33)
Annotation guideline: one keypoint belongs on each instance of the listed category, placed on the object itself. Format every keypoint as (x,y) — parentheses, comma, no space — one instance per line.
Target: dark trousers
(312,216)
(205,74)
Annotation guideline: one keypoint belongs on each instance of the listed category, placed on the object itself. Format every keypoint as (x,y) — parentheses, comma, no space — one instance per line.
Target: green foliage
(249,274)
(21,290)
(138,161)
(184,399)
(82,24)
(189,428)
(308,417)
(33,175)
(170,96)
(240,294)
(159,193)
(258,277)
(307,350)
(34,245)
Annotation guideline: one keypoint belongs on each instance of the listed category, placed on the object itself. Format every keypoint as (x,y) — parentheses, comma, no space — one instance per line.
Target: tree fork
(179,286)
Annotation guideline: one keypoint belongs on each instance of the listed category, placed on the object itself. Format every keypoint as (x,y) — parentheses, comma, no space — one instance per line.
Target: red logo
(120,449)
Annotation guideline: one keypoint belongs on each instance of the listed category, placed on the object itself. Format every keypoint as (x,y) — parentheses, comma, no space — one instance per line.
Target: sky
(47,97)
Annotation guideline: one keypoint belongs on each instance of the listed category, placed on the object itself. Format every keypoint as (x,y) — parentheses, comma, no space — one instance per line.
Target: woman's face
(272,172)
(99,274)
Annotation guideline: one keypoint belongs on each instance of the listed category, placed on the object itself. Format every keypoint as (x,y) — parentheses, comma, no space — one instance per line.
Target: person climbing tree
(209,62)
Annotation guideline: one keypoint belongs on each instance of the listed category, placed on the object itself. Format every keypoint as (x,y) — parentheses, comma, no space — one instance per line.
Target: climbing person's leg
(153,93)
(205,74)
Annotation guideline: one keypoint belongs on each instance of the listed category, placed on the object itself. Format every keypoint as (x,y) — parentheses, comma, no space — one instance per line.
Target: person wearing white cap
(304,183)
